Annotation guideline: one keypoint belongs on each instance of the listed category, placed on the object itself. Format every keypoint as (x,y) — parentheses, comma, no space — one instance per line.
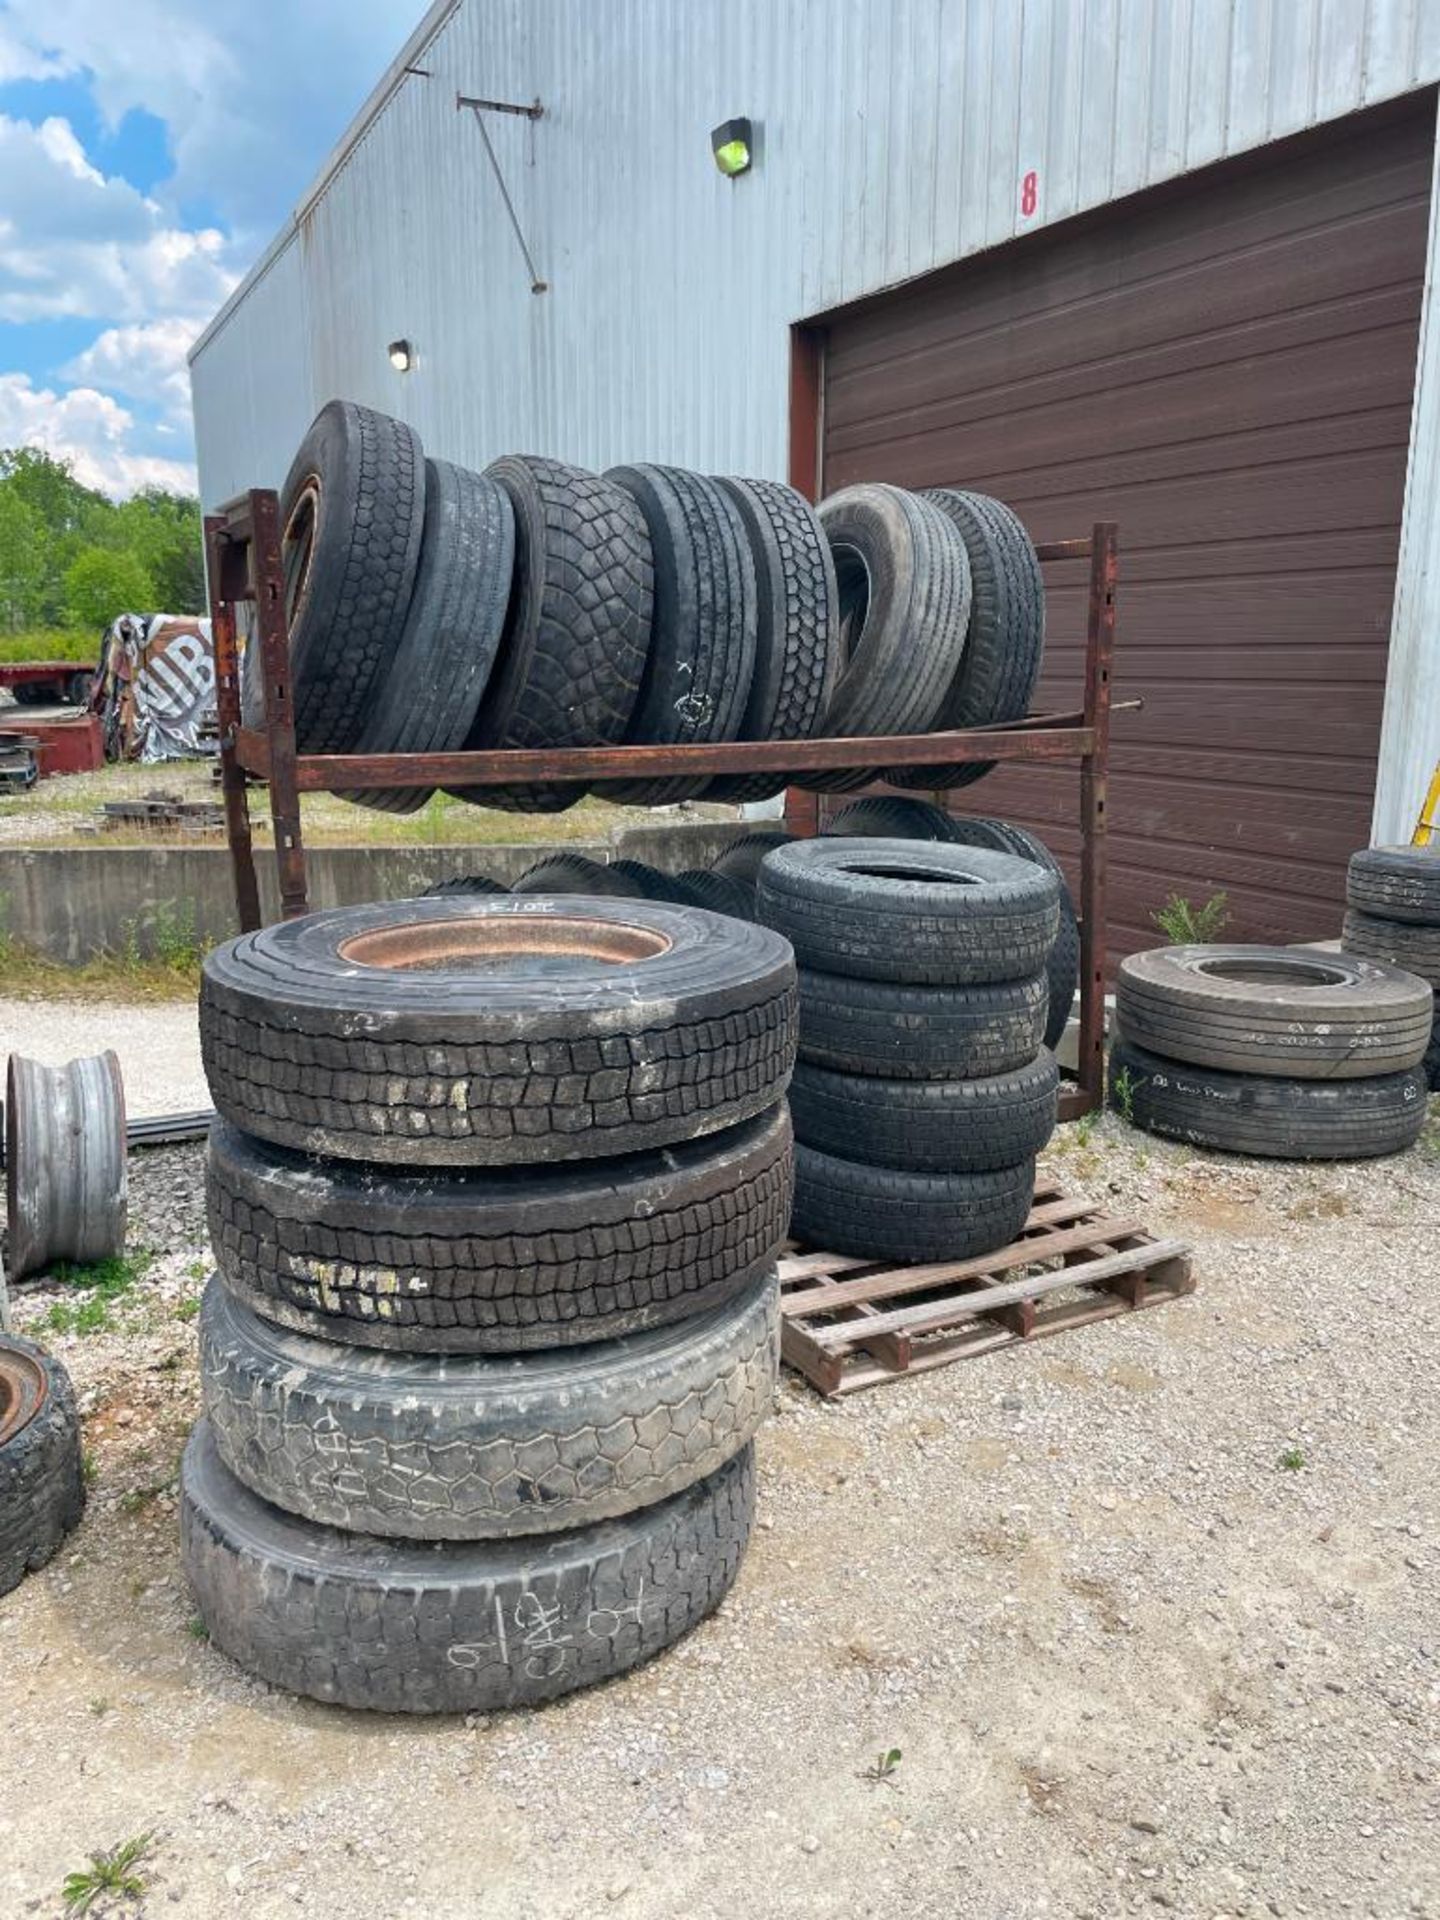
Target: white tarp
(156,687)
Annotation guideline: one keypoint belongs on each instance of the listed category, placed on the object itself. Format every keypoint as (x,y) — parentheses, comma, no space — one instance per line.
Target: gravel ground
(1133,1661)
(158,1045)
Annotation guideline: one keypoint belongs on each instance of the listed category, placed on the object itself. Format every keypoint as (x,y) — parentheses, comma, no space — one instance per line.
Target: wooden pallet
(849,1323)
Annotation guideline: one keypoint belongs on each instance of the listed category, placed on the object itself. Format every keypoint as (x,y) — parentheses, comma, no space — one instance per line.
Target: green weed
(196,1628)
(1186,925)
(1122,1094)
(884,1767)
(1292,1460)
(101,1283)
(108,1873)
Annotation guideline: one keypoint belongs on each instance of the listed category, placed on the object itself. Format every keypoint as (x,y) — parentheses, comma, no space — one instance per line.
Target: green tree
(102,582)
(22,564)
(164,531)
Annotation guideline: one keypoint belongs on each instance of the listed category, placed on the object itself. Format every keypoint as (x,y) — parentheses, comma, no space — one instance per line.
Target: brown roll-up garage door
(1225,366)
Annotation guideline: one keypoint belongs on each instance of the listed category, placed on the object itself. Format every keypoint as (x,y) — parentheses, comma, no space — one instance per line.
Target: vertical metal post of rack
(1094,772)
(274,638)
(225,574)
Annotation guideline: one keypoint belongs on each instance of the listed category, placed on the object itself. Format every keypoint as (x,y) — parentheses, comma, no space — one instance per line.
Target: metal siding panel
(1132,95)
(1208,119)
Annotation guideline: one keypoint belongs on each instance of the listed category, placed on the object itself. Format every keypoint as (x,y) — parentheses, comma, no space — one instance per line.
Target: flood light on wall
(733,147)
(402,355)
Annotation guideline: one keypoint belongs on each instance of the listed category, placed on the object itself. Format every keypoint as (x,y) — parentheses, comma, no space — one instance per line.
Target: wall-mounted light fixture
(402,355)
(733,147)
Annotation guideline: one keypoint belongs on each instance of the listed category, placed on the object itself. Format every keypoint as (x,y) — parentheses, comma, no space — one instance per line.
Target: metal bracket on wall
(532,113)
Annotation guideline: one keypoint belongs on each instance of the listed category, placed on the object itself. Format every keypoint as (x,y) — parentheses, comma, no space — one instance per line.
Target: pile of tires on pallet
(1393,900)
(923,1090)
(536,605)
(495,1192)
(1294,1053)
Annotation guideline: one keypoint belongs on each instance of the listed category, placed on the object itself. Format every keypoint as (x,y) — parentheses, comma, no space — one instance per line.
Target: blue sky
(147,155)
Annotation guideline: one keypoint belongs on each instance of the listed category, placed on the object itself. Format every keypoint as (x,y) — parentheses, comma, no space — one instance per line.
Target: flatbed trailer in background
(37,683)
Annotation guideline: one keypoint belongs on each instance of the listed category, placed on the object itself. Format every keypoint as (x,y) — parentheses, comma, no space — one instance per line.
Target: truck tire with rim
(937,915)
(881,1213)
(497,1032)
(1290,1011)
(463,1627)
(578,629)
(930,1126)
(903,580)
(797,648)
(472,1262)
(1396,883)
(920,1033)
(1262,1115)
(352,513)
(416,1448)
(703,631)
(1006,640)
(42,1486)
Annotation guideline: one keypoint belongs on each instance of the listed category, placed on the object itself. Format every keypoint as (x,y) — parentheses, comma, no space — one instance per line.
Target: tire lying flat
(1272,1118)
(432,685)
(1295,1012)
(42,1486)
(920,1033)
(1005,643)
(903,581)
(1062,969)
(1396,883)
(1398,943)
(883,1214)
(703,629)
(930,1126)
(405,1627)
(407,1032)
(461,1262)
(352,513)
(428,1449)
(797,647)
(937,915)
(578,629)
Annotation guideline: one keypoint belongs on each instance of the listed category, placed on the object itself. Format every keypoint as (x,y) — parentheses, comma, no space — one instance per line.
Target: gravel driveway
(1152,1611)
(158,1045)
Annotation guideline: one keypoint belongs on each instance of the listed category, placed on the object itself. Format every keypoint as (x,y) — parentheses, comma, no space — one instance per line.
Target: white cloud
(145,363)
(73,242)
(90,429)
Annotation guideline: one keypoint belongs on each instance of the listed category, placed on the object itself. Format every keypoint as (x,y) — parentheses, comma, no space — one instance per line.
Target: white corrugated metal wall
(896,136)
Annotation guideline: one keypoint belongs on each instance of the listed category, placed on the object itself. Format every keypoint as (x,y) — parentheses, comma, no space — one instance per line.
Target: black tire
(878,1213)
(797,651)
(1062,969)
(404,1627)
(702,634)
(1274,1118)
(352,515)
(1396,883)
(719,893)
(42,1485)
(36,693)
(1293,1011)
(879,816)
(653,884)
(574,873)
(497,1263)
(920,1033)
(433,685)
(1398,943)
(903,579)
(1430,1064)
(464,884)
(578,628)
(415,1448)
(928,1126)
(77,689)
(741,859)
(936,915)
(1006,640)
(551,1035)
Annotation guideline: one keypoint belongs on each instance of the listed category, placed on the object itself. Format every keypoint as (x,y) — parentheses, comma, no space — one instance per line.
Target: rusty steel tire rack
(243,566)
(849,1323)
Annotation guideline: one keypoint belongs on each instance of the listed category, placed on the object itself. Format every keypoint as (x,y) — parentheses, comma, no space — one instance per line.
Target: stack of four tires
(495,1195)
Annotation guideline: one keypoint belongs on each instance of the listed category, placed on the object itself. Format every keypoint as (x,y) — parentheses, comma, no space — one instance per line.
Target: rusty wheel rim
(23,1388)
(297,546)
(506,943)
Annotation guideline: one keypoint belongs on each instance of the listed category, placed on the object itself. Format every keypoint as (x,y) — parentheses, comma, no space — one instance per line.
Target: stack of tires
(536,605)
(495,1191)
(1393,900)
(923,1091)
(1291,1053)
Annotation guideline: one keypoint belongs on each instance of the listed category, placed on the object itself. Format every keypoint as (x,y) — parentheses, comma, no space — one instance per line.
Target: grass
(100,1285)
(1186,925)
(159,959)
(50,643)
(196,1628)
(108,1873)
(1292,1460)
(1122,1092)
